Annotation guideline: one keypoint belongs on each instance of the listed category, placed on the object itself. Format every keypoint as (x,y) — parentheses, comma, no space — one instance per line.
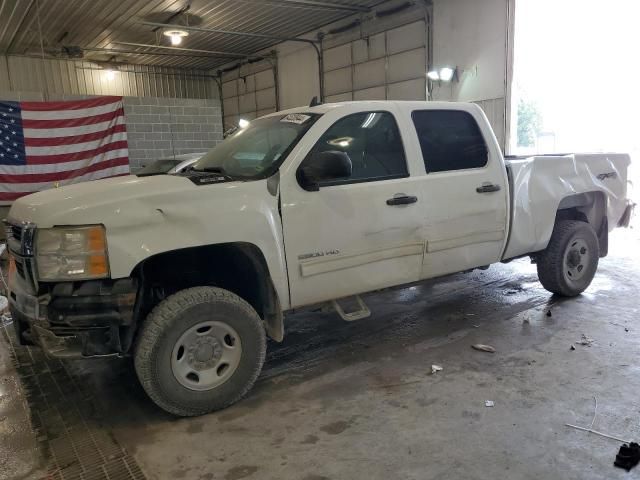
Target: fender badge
(604,176)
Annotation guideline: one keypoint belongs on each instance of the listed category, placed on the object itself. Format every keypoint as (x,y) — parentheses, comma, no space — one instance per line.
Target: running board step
(364,311)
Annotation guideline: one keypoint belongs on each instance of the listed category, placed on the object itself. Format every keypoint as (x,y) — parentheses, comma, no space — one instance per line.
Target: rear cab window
(373,142)
(449,140)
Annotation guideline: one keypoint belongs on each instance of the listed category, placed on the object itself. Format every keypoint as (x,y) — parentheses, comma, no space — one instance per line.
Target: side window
(450,140)
(372,141)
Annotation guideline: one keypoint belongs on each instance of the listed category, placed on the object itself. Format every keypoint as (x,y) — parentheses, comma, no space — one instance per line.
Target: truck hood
(145,216)
(101,201)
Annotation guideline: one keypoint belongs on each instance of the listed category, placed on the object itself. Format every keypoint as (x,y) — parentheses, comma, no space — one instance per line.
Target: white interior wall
(248,92)
(298,63)
(469,34)
(473,36)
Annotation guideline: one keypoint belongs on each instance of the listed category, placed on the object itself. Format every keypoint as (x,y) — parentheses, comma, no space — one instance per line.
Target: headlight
(71,253)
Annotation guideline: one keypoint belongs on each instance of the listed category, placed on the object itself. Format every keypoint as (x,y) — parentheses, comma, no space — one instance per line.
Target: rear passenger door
(465,190)
(354,234)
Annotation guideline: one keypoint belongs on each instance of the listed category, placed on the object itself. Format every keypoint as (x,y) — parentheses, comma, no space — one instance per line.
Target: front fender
(207,215)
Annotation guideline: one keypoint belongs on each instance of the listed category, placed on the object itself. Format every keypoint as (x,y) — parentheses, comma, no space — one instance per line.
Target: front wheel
(568,264)
(200,350)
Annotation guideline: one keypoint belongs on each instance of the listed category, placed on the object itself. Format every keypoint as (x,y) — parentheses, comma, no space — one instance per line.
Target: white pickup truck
(190,272)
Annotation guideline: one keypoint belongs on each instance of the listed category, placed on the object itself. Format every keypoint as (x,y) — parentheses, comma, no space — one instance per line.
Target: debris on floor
(586,341)
(435,369)
(483,348)
(548,313)
(572,347)
(590,428)
(5,315)
(628,456)
(489,403)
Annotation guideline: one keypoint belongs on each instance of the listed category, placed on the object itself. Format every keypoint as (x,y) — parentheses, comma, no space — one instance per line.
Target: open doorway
(575,77)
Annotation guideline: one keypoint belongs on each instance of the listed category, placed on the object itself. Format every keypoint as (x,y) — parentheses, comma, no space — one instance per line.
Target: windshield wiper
(219,170)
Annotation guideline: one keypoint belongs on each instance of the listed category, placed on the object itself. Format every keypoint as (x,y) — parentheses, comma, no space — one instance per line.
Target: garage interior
(345,400)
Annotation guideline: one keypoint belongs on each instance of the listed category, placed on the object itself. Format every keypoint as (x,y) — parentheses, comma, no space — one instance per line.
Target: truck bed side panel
(539,184)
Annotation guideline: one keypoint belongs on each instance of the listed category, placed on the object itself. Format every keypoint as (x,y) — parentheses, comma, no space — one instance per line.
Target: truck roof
(326,107)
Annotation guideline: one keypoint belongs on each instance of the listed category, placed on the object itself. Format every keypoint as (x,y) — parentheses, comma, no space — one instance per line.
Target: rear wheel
(568,264)
(200,350)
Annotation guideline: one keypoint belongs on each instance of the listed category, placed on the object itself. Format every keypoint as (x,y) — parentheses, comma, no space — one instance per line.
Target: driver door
(359,233)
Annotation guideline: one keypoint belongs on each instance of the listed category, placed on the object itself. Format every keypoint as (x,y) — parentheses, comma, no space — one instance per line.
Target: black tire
(557,262)
(165,325)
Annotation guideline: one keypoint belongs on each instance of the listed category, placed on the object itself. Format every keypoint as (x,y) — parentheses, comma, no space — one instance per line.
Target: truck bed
(539,184)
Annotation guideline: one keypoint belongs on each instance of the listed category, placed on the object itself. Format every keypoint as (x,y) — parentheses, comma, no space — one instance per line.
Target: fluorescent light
(111,74)
(446,74)
(242,123)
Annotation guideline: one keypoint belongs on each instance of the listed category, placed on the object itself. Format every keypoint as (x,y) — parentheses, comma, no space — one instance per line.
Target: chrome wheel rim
(206,355)
(576,260)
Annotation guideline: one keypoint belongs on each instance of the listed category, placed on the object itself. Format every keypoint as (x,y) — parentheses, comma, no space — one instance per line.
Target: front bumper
(67,319)
(76,320)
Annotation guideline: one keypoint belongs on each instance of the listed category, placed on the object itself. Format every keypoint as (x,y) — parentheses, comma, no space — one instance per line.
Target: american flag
(50,144)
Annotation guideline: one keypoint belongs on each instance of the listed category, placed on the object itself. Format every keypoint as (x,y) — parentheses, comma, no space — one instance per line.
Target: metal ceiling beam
(114,51)
(228,32)
(182,49)
(314,4)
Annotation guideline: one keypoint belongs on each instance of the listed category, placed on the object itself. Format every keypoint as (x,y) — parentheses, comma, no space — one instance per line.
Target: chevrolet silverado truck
(191,272)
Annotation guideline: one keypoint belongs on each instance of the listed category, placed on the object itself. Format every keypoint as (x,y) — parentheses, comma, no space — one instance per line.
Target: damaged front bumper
(75,320)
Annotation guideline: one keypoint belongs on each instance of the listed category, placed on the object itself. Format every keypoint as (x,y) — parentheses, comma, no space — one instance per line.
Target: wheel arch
(591,208)
(239,267)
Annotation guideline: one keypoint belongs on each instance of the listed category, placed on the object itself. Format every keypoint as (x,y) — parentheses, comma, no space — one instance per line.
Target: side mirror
(323,167)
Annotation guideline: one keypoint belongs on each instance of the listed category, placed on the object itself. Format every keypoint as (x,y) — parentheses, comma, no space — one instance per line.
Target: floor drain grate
(63,417)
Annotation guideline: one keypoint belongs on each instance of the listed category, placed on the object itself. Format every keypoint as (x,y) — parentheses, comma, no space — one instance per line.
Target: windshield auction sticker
(298,118)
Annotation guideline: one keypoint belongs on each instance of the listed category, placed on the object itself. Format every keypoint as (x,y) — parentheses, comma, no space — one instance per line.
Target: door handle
(402,200)
(488,188)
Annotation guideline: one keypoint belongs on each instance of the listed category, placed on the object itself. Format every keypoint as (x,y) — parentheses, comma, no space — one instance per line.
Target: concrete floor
(342,400)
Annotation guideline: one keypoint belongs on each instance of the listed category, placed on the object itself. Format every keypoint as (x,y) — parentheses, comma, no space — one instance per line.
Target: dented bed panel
(540,184)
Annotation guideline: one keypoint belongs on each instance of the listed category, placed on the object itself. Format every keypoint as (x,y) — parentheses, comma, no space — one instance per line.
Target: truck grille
(15,232)
(20,238)
(20,243)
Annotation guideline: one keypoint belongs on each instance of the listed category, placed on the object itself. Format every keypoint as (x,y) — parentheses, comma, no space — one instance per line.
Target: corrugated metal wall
(67,77)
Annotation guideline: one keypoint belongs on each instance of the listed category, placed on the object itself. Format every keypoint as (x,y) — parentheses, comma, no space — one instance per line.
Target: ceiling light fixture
(243,123)
(175,35)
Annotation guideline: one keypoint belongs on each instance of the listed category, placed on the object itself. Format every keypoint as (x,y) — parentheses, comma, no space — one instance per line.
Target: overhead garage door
(248,92)
(390,65)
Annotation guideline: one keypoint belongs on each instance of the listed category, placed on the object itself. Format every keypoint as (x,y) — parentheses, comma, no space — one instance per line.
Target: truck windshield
(257,150)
